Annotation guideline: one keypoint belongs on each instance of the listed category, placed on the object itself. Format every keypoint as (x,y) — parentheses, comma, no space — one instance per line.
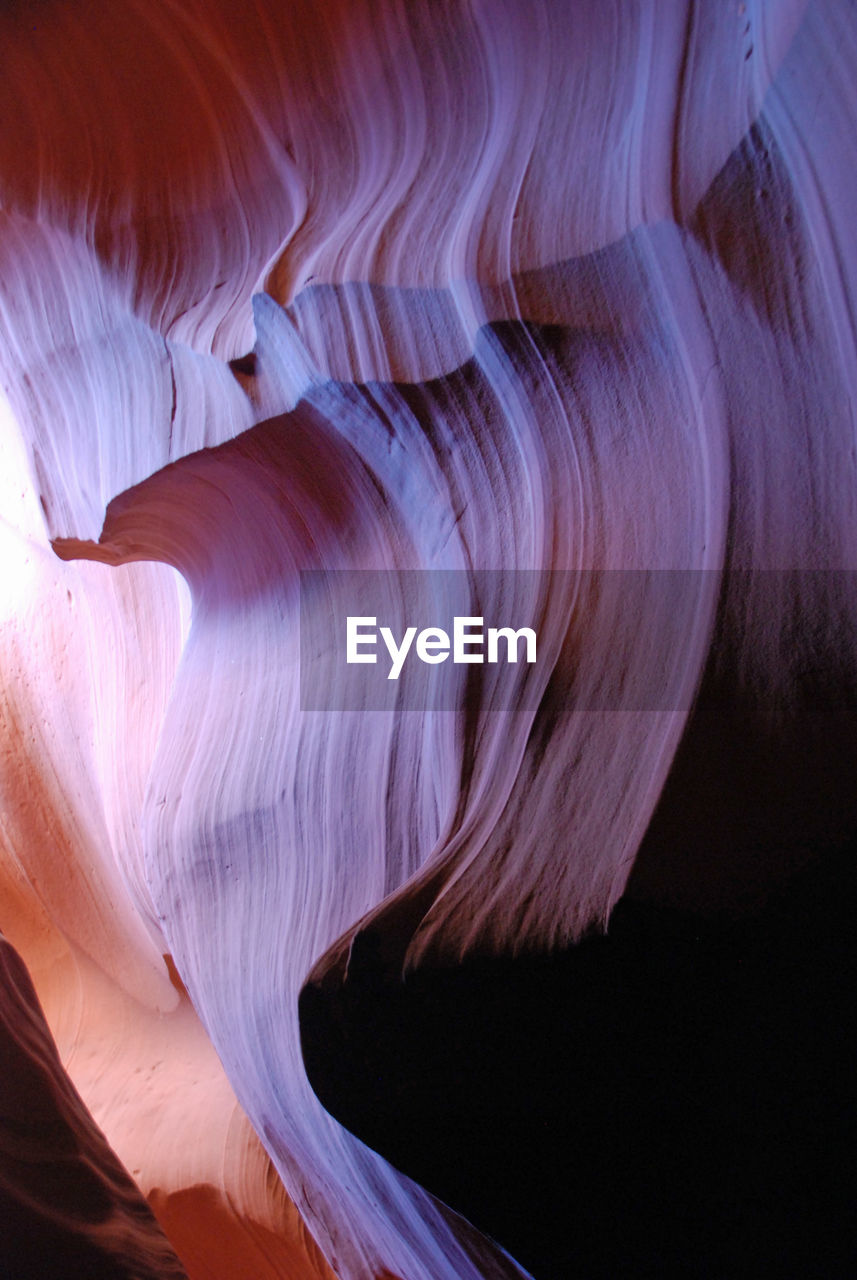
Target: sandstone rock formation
(68,1206)
(556,298)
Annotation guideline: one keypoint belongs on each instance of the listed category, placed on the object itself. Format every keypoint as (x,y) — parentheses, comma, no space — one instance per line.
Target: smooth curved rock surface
(504,287)
(68,1206)
(85,688)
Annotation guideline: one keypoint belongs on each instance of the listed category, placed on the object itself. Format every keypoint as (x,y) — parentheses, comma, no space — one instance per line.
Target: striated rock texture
(88,657)
(556,298)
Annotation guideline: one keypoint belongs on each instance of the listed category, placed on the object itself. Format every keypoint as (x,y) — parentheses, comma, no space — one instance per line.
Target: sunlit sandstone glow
(501,285)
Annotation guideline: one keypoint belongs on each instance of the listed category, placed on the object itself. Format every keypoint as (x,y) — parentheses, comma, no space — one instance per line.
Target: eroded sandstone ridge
(498,286)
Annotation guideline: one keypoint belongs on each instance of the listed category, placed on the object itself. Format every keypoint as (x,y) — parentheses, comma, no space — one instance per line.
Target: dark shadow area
(673,1098)
(68,1208)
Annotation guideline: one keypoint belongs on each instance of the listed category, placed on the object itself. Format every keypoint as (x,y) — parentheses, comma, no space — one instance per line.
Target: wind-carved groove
(573,351)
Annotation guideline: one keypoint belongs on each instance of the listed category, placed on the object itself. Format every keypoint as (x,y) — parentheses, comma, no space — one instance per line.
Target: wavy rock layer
(525,290)
(89,656)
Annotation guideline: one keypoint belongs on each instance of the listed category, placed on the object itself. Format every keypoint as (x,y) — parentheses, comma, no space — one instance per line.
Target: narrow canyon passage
(537,315)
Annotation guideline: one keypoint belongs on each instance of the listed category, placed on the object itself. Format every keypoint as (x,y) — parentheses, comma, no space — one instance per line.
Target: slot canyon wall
(551,300)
